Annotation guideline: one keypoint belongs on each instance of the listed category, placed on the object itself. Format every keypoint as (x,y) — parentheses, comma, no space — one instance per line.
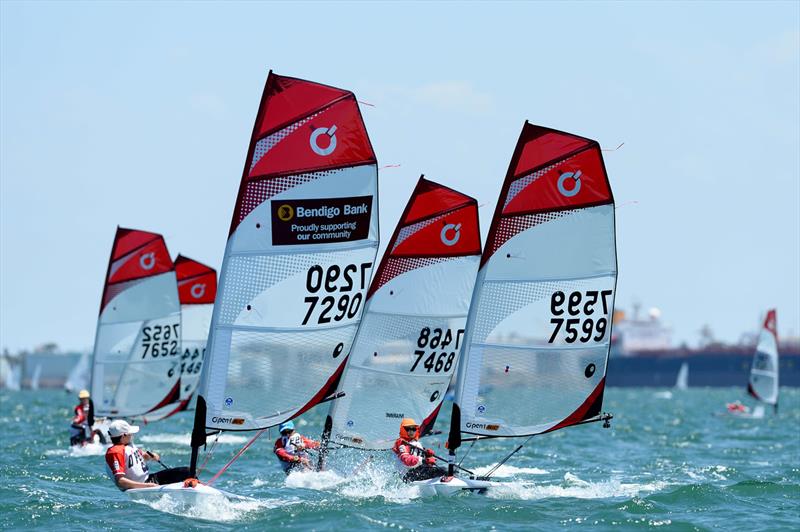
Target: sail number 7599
(568,316)
(338,282)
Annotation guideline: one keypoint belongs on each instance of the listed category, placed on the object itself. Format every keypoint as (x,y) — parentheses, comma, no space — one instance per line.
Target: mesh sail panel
(400,367)
(195,322)
(137,349)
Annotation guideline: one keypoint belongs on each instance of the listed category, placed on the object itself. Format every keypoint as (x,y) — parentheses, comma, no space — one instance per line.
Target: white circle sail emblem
(198,290)
(447,238)
(577,188)
(331,132)
(147,261)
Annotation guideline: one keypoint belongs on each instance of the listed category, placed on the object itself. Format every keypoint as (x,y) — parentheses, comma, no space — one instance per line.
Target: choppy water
(666,462)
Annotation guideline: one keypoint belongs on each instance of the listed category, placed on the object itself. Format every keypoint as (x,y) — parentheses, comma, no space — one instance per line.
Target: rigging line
(613,149)
(209,453)
(504,460)
(240,453)
(389,166)
(471,445)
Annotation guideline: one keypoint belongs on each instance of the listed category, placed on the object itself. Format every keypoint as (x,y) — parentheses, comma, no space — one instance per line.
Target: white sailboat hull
(201,494)
(435,487)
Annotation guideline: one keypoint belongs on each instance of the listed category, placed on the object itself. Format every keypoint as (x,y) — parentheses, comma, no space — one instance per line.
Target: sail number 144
(566,312)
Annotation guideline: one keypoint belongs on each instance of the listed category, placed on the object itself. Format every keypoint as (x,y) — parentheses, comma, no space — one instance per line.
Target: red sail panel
(134,255)
(286,100)
(770,323)
(438,223)
(301,127)
(332,138)
(197,283)
(550,171)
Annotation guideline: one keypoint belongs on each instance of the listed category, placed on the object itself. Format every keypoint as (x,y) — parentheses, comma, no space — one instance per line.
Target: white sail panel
(298,260)
(763,384)
(539,328)
(407,346)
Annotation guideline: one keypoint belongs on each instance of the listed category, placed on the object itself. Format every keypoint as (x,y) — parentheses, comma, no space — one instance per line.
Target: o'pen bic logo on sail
(320,221)
(315,140)
(450,234)
(147,261)
(562,184)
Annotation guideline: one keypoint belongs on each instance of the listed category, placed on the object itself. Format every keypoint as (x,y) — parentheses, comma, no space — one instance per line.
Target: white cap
(120,427)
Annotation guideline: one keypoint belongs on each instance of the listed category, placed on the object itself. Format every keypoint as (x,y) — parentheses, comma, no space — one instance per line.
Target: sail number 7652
(567,312)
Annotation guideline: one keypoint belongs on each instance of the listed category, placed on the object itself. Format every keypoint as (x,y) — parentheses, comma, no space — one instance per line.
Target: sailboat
(537,339)
(80,375)
(763,382)
(136,358)
(296,268)
(682,381)
(406,349)
(197,289)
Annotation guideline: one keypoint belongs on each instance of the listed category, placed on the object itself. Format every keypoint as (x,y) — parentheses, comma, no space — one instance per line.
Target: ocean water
(666,462)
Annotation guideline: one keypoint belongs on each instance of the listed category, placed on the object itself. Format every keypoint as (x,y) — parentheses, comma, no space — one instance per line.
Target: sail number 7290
(569,318)
(331,289)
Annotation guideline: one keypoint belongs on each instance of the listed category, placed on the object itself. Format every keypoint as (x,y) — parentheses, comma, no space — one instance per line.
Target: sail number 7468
(569,317)
(439,339)
(338,282)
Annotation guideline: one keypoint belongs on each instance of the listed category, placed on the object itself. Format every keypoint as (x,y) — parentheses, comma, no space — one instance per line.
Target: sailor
(737,407)
(291,448)
(80,433)
(127,464)
(414,462)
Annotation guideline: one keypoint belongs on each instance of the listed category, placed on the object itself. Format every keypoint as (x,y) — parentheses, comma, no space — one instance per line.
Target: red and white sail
(197,289)
(763,383)
(407,347)
(539,327)
(137,355)
(298,259)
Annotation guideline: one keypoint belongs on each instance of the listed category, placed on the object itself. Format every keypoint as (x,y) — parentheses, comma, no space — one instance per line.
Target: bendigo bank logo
(285,212)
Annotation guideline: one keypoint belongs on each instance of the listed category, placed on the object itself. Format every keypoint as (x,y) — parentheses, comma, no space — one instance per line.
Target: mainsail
(407,347)
(298,260)
(763,384)
(537,342)
(197,288)
(136,358)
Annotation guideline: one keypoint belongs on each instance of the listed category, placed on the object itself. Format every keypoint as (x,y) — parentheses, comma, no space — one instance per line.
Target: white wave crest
(213,508)
(505,471)
(574,487)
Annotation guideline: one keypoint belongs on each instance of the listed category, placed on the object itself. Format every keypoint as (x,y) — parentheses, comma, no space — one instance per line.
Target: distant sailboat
(136,358)
(682,382)
(763,382)
(80,375)
(37,375)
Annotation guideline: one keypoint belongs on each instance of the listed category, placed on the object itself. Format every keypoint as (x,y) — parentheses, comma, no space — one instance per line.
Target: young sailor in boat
(80,433)
(414,462)
(737,407)
(291,447)
(127,465)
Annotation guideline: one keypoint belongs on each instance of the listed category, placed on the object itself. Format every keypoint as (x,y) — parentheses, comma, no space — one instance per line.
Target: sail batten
(539,328)
(298,261)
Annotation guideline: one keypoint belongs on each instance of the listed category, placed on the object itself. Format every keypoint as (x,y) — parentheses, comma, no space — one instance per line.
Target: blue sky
(139,114)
